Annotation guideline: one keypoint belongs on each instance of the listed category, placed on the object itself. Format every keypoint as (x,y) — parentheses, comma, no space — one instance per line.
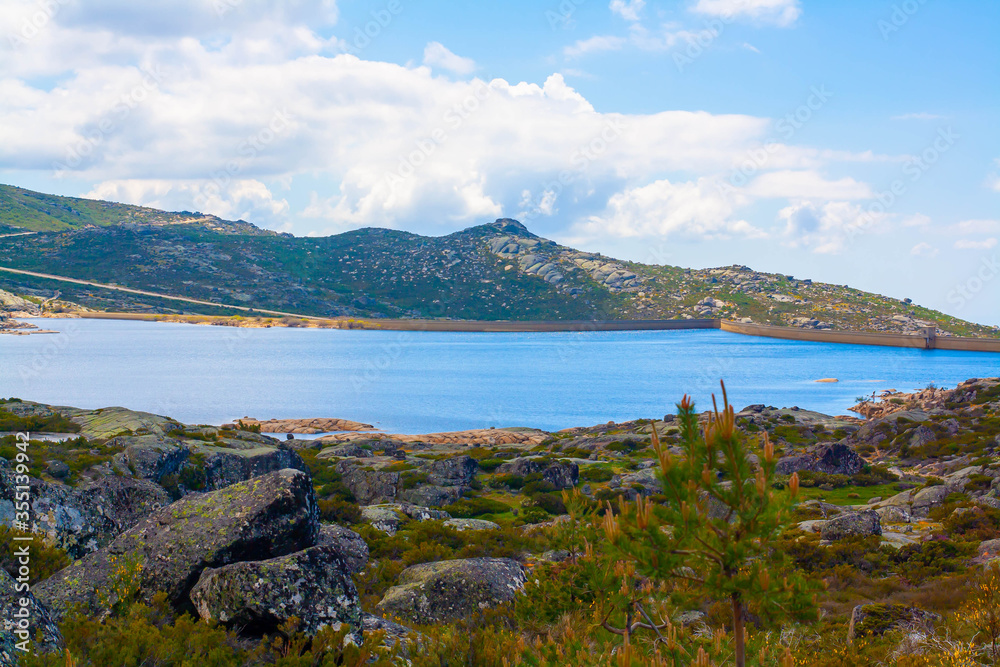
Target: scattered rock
(452,589)
(347,544)
(864,523)
(313,585)
(261,518)
(471,524)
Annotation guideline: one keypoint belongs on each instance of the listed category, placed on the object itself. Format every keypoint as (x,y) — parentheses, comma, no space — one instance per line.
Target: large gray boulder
(264,517)
(82,520)
(835,459)
(313,585)
(21,624)
(347,544)
(452,589)
(370,487)
(559,474)
(455,471)
(863,523)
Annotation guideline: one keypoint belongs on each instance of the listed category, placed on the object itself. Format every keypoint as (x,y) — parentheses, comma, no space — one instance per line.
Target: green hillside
(494,271)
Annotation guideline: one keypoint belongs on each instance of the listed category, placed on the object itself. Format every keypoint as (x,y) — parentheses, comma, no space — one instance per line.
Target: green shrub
(340,511)
(489,465)
(45,560)
(596,474)
(469,508)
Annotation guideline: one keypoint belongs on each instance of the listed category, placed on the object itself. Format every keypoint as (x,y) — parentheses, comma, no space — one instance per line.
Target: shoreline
(929,341)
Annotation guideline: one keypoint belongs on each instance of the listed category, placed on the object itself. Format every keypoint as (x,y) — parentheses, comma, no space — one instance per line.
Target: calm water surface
(417,382)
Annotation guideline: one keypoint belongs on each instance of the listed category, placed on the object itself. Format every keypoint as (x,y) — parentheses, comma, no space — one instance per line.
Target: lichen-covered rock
(432,496)
(263,517)
(456,471)
(82,520)
(863,523)
(877,619)
(106,423)
(19,625)
(239,460)
(559,474)
(370,487)
(448,590)
(648,479)
(313,585)
(835,459)
(384,518)
(347,544)
(471,524)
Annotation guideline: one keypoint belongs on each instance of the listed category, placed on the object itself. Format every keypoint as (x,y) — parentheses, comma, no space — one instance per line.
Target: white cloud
(243,199)
(437,55)
(977,227)
(627,9)
(595,44)
(827,228)
(965,244)
(693,210)
(924,250)
(750,47)
(916,220)
(777,12)
(790,184)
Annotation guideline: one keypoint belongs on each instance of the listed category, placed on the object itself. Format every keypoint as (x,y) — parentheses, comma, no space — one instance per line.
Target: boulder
(432,496)
(559,474)
(452,589)
(864,523)
(82,520)
(264,517)
(384,518)
(23,623)
(987,551)
(471,524)
(877,619)
(370,487)
(313,585)
(893,514)
(646,478)
(348,545)
(456,471)
(239,461)
(839,459)
(921,436)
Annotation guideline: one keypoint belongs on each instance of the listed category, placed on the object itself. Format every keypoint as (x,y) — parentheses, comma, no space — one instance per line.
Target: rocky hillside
(495,271)
(373,536)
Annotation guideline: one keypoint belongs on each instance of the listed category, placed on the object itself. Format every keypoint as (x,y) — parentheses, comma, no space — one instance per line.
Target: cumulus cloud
(789,184)
(687,210)
(827,228)
(977,227)
(437,55)
(923,249)
(627,9)
(777,12)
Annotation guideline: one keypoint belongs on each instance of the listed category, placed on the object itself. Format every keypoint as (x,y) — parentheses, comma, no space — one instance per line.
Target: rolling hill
(495,271)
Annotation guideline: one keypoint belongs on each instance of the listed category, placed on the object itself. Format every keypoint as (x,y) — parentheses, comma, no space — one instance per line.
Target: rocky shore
(249,531)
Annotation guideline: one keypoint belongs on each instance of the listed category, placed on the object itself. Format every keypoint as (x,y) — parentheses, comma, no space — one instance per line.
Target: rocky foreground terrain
(389,539)
(495,271)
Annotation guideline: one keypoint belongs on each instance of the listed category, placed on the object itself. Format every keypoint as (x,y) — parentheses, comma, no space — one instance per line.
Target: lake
(421,382)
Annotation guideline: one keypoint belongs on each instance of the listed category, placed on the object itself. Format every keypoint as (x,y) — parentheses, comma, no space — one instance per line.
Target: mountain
(494,271)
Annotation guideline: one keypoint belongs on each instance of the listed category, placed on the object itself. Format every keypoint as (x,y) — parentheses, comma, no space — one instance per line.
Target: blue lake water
(419,382)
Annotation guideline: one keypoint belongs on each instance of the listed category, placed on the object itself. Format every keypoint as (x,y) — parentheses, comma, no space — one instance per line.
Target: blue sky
(770,133)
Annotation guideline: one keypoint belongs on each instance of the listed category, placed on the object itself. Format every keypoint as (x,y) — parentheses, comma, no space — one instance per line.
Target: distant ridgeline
(491,272)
